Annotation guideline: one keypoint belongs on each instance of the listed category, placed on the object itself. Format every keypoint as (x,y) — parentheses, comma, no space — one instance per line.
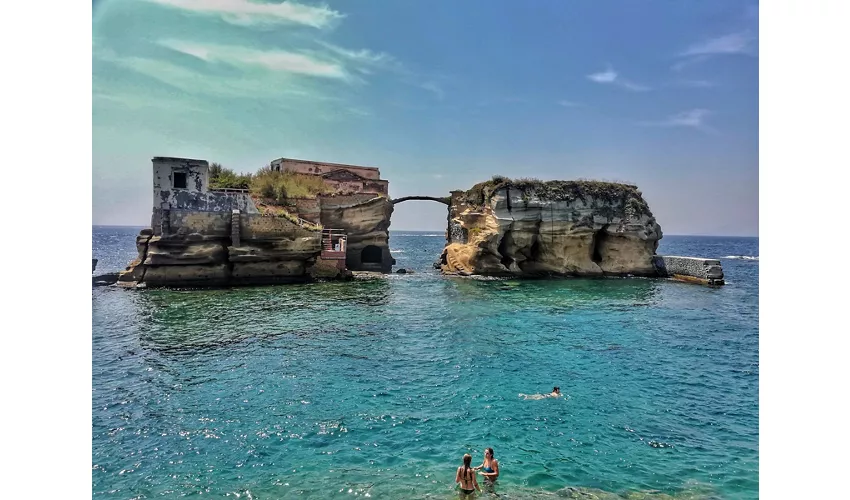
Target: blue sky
(438,95)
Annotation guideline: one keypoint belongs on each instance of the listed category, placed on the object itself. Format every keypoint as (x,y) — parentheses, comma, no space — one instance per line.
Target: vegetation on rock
(626,195)
(224,178)
(278,187)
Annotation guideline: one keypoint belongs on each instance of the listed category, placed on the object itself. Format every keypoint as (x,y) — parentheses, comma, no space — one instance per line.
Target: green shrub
(221,177)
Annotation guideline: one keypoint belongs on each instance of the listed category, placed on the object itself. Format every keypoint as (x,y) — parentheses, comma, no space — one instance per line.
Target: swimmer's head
(488,452)
(467,460)
(556,390)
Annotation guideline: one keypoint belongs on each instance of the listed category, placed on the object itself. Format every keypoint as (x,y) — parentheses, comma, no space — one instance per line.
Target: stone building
(346,179)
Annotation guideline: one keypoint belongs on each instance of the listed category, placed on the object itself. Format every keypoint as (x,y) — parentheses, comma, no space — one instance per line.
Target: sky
(439,95)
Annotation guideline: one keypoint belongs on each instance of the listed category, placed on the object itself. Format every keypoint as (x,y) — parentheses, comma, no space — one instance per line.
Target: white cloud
(247,12)
(433,87)
(694,118)
(364,56)
(611,77)
(274,60)
(733,43)
(608,76)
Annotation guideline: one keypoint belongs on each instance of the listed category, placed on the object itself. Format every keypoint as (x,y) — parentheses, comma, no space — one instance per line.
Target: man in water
(556,393)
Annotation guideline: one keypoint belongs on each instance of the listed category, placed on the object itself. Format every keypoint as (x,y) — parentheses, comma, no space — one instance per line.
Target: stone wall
(706,271)
(211,224)
(210,201)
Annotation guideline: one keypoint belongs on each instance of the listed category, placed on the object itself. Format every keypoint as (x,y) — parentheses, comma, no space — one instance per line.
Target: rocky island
(566,228)
(533,228)
(299,220)
(294,221)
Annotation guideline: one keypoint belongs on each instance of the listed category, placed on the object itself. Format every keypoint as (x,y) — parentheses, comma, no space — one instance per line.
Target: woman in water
(490,467)
(466,477)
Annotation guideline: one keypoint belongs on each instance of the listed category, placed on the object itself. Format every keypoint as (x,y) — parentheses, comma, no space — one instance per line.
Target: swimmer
(556,393)
(466,477)
(490,467)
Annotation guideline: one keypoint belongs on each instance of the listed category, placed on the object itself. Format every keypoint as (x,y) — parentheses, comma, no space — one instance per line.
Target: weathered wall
(211,201)
(196,195)
(197,177)
(213,224)
(707,271)
(318,168)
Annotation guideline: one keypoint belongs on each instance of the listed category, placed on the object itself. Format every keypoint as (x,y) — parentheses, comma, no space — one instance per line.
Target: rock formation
(274,250)
(366,221)
(533,228)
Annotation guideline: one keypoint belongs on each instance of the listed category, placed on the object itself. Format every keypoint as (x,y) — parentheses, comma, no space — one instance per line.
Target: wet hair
(490,451)
(556,389)
(467,461)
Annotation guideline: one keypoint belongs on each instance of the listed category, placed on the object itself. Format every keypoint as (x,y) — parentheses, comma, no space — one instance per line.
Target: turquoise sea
(377,388)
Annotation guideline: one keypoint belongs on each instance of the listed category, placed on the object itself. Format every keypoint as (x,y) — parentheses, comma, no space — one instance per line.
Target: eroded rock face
(580,229)
(366,222)
(195,260)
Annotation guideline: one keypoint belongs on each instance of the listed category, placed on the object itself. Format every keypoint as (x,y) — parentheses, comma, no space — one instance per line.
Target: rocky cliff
(366,220)
(271,250)
(531,228)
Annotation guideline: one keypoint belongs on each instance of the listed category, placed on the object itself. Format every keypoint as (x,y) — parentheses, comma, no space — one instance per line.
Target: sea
(376,388)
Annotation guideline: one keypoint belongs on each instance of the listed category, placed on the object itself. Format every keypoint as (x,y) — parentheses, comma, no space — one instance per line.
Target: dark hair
(556,389)
(467,461)
(490,451)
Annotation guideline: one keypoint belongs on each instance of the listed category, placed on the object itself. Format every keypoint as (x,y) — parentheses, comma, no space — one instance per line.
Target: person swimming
(466,477)
(556,393)
(490,467)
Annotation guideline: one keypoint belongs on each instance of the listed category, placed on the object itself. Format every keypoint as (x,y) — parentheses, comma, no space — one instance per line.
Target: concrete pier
(691,269)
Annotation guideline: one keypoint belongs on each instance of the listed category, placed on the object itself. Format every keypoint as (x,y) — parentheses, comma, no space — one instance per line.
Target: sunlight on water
(376,388)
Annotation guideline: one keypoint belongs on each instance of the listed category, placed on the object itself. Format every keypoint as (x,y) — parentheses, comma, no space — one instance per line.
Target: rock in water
(504,227)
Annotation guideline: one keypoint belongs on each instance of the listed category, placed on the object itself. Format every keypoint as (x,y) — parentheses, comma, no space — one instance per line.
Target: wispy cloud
(568,104)
(740,43)
(363,56)
(272,60)
(611,77)
(248,12)
(733,43)
(273,86)
(433,87)
(694,118)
